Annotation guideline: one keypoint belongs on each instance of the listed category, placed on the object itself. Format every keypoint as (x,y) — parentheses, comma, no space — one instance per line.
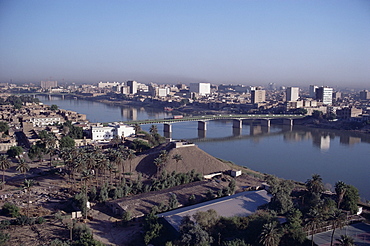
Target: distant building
(313,91)
(132,84)
(325,95)
(364,95)
(48,84)
(107,133)
(337,95)
(202,89)
(108,84)
(292,94)
(258,96)
(349,112)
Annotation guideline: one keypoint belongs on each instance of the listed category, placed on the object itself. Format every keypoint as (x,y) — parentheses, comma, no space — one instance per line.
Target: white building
(132,84)
(108,84)
(325,95)
(107,133)
(201,88)
(292,94)
(313,91)
(45,121)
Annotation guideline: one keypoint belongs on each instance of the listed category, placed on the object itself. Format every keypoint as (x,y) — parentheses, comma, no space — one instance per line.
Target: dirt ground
(50,194)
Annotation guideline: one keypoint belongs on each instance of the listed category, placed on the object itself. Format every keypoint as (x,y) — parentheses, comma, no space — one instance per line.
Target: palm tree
(153,129)
(337,220)
(137,128)
(345,241)
(86,176)
(340,189)
(28,183)
(269,235)
(314,222)
(130,156)
(4,165)
(23,166)
(177,158)
(315,185)
(158,163)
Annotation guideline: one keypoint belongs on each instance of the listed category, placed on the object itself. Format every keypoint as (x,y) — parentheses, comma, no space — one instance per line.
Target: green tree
(350,199)
(315,185)
(14,151)
(66,142)
(177,158)
(28,183)
(345,241)
(4,165)
(173,202)
(207,219)
(337,220)
(270,235)
(23,167)
(10,209)
(54,107)
(193,234)
(153,130)
(340,189)
(4,127)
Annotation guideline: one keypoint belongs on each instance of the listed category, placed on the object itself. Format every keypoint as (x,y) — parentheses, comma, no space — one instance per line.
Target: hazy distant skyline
(232,42)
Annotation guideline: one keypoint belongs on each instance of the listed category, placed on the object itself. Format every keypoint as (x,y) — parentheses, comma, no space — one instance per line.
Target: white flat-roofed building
(107,133)
(241,204)
(45,121)
(292,94)
(202,89)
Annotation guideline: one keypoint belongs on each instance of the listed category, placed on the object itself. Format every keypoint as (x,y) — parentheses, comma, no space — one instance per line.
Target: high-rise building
(325,95)
(364,95)
(48,84)
(313,91)
(133,86)
(201,88)
(292,94)
(258,96)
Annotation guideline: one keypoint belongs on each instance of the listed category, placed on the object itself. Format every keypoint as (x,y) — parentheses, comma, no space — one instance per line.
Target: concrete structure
(108,84)
(41,121)
(292,94)
(241,204)
(325,95)
(258,96)
(107,133)
(202,89)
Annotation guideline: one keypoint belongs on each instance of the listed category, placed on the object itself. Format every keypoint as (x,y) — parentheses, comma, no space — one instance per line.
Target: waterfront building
(108,84)
(106,133)
(348,112)
(132,84)
(292,94)
(325,95)
(258,96)
(312,91)
(202,89)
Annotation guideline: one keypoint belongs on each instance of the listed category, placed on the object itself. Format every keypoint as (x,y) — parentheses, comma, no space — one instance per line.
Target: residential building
(292,94)
(348,112)
(325,95)
(202,89)
(108,84)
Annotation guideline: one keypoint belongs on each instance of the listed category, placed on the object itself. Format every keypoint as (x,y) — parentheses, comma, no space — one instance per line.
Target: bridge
(265,120)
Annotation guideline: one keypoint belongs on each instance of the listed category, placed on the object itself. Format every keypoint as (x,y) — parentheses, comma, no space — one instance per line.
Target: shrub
(10,209)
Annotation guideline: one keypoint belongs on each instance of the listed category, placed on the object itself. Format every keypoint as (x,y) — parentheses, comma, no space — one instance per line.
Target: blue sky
(240,42)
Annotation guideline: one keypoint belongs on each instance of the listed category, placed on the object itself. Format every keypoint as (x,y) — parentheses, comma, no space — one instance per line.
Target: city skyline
(292,43)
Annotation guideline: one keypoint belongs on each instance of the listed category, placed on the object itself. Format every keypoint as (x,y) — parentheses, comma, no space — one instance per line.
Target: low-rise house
(106,133)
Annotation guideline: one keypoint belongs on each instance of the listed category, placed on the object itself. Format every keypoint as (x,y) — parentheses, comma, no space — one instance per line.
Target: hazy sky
(247,42)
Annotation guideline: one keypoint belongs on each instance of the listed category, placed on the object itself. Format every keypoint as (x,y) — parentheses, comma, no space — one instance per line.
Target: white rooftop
(240,204)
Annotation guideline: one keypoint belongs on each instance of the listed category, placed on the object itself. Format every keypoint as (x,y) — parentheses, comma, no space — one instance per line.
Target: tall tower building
(201,88)
(133,86)
(313,91)
(292,94)
(48,84)
(325,95)
(258,96)
(364,95)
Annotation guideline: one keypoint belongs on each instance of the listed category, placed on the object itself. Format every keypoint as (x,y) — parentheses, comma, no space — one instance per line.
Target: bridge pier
(202,125)
(202,133)
(167,127)
(266,122)
(288,122)
(237,132)
(237,124)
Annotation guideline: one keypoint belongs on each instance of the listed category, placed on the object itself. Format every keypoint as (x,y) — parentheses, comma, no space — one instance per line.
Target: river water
(291,153)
